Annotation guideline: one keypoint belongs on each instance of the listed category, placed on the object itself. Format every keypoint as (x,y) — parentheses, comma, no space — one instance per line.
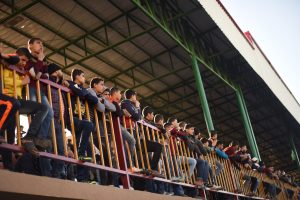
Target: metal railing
(107,138)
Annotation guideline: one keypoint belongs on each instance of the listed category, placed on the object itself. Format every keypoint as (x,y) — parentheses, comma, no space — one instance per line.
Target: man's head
(182,125)
(205,142)
(214,135)
(244,149)
(130,94)
(220,145)
(168,126)
(115,94)
(77,76)
(24,56)
(235,145)
(189,128)
(174,122)
(54,70)
(148,113)
(97,84)
(35,45)
(197,131)
(159,119)
(106,93)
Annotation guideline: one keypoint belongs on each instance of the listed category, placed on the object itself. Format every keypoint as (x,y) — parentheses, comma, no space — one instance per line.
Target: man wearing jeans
(24,106)
(84,128)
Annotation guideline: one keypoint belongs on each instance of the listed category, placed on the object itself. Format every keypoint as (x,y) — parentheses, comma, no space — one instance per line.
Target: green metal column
(247,123)
(294,150)
(202,95)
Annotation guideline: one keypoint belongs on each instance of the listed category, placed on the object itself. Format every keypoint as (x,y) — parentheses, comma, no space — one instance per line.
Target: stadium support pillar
(202,95)
(294,149)
(247,123)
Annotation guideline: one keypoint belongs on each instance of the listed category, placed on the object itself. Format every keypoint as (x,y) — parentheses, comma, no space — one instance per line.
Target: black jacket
(83,95)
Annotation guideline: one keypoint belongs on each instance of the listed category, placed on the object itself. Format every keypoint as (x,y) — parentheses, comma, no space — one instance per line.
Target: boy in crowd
(37,68)
(176,133)
(212,141)
(219,150)
(24,106)
(83,127)
(58,103)
(152,146)
(219,166)
(116,96)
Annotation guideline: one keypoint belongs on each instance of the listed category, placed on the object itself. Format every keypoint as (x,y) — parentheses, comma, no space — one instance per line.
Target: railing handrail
(123,171)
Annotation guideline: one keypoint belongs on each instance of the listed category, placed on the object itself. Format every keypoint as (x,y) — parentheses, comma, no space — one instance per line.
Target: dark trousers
(38,113)
(83,130)
(154,147)
(58,165)
(9,125)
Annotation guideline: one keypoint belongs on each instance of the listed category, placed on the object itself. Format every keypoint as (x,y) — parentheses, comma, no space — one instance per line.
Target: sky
(275,26)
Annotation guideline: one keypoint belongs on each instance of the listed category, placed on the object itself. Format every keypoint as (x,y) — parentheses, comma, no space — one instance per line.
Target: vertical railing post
(121,152)
(202,95)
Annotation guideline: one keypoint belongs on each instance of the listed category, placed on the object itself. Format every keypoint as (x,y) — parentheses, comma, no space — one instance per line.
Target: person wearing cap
(58,103)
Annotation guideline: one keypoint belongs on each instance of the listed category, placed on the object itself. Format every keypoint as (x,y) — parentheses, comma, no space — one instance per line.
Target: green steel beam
(163,24)
(162,76)
(90,32)
(247,124)
(70,58)
(202,95)
(293,146)
(139,64)
(19,11)
(92,54)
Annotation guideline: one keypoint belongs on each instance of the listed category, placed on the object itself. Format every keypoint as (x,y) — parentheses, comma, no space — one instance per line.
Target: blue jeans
(45,131)
(83,130)
(218,171)
(202,169)
(58,165)
(131,143)
(191,161)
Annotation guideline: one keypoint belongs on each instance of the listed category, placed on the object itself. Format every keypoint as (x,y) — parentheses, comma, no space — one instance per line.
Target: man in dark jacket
(202,165)
(84,128)
(115,94)
(58,106)
(132,106)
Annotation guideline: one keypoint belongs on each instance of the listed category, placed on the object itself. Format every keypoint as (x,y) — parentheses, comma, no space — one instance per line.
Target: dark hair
(213,133)
(158,117)
(219,142)
(204,140)
(32,40)
(182,124)
(129,93)
(235,143)
(106,90)
(167,124)
(147,110)
(188,126)
(76,72)
(22,51)
(95,80)
(171,119)
(196,131)
(114,90)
